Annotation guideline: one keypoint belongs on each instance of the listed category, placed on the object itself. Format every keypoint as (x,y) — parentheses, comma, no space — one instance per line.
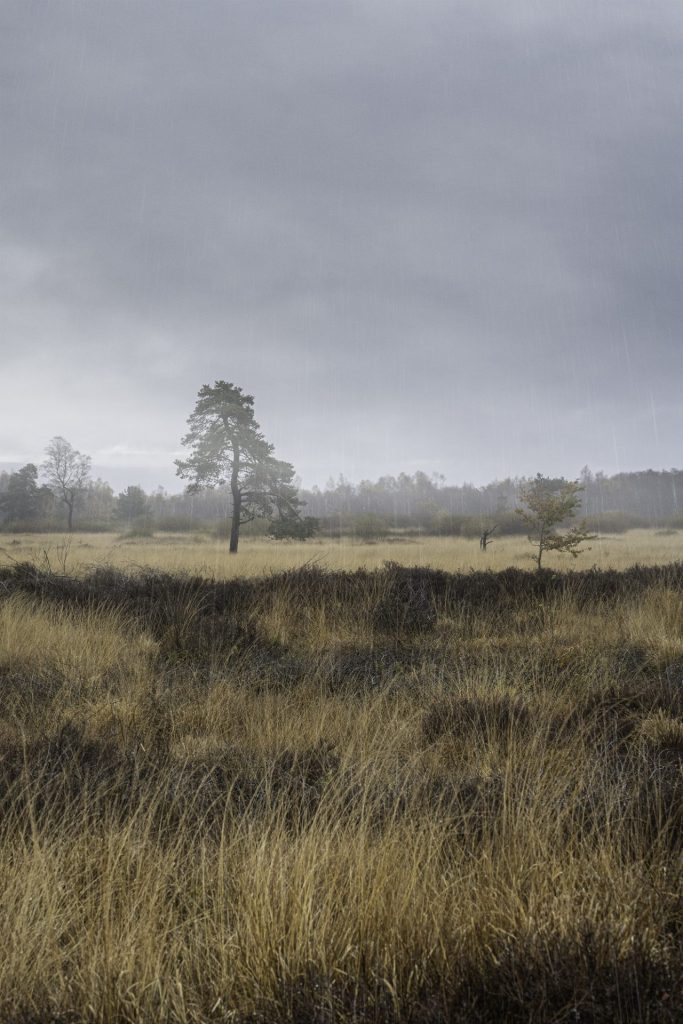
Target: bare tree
(67,472)
(486,532)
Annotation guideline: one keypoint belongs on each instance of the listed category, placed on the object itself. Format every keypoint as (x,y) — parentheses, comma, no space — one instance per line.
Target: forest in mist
(404,502)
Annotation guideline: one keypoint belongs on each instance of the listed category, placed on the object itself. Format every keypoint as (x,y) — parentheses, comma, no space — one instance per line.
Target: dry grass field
(199,553)
(326,796)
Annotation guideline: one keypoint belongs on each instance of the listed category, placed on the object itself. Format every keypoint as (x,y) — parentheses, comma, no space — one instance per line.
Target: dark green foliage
(23,501)
(288,528)
(369,527)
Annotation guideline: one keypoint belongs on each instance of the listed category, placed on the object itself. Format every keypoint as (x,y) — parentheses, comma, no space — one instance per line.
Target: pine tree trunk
(236,501)
(235,524)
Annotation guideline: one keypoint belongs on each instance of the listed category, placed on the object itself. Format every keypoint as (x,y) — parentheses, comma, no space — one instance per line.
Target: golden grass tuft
(78,646)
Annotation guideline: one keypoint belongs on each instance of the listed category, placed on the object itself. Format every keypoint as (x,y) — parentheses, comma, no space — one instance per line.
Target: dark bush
(294,529)
(407,602)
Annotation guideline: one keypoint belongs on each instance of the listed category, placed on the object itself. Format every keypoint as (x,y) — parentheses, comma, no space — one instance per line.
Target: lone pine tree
(227,446)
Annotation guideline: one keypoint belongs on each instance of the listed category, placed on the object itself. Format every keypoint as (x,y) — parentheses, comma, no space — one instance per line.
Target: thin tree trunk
(70,507)
(541,547)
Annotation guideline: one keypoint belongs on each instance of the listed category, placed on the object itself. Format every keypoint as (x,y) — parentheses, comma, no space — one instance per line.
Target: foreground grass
(199,553)
(395,795)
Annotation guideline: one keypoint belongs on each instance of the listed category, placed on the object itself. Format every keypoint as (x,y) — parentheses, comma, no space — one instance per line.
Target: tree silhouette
(227,446)
(67,472)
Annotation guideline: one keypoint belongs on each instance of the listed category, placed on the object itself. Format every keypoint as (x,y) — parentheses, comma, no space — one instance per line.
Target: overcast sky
(424,235)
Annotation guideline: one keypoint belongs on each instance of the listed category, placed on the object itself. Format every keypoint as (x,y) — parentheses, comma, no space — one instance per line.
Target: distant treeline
(610,503)
(417,503)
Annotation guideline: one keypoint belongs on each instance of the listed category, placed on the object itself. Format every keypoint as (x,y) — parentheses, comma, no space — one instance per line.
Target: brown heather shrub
(487,715)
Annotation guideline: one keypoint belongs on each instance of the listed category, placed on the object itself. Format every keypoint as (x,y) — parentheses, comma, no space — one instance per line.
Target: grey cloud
(439,233)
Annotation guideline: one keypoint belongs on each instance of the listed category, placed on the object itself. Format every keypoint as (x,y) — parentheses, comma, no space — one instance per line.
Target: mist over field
(438,237)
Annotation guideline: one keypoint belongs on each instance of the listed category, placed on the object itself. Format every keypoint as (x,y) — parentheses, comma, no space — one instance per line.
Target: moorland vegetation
(399,794)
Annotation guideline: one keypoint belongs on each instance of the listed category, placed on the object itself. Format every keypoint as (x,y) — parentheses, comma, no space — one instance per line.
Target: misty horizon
(120,477)
(441,238)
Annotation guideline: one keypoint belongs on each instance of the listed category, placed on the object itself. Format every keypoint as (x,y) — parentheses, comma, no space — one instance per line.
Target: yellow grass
(198,553)
(75,645)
